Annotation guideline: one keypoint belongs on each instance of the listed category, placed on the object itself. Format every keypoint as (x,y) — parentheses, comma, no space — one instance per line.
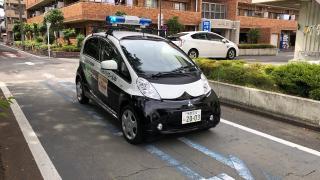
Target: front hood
(172,91)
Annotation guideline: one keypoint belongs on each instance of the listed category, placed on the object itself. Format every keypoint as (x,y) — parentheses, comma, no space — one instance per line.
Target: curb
(21,51)
(295,110)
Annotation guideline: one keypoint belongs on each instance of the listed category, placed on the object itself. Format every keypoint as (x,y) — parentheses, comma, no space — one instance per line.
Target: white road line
(273,138)
(9,54)
(46,167)
(29,63)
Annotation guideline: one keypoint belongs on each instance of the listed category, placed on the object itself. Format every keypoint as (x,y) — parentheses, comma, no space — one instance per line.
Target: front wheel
(131,126)
(231,54)
(82,98)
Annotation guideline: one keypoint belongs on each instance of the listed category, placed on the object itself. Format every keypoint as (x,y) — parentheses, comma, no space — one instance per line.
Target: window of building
(179,6)
(151,3)
(213,11)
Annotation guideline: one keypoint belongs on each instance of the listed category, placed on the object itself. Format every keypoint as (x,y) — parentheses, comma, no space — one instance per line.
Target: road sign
(206,25)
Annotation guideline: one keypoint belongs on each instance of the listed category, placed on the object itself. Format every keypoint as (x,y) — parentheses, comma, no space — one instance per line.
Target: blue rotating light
(132,20)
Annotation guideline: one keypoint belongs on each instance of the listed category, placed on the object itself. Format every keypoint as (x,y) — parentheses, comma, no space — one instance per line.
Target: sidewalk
(16,160)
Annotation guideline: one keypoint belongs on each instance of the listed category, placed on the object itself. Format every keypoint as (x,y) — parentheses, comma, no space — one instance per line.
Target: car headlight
(206,86)
(147,89)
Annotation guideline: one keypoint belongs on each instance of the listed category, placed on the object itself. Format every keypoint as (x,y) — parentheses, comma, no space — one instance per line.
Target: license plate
(191,116)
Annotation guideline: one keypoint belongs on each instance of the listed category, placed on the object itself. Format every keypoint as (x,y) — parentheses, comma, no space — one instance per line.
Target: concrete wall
(308,41)
(259,52)
(291,108)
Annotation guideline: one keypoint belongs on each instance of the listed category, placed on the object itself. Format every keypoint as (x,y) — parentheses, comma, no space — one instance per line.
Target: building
(234,18)
(308,31)
(11,9)
(84,15)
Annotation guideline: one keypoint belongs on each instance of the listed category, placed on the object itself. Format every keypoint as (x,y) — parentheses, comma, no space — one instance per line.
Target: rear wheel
(193,53)
(231,54)
(80,92)
(131,126)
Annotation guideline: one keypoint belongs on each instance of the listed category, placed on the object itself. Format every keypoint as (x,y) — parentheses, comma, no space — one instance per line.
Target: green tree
(55,17)
(174,26)
(253,36)
(35,30)
(16,30)
(68,33)
(27,28)
(80,38)
(120,13)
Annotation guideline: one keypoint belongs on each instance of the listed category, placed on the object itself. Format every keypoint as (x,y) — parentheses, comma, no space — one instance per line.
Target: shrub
(80,38)
(70,48)
(255,46)
(298,78)
(39,39)
(237,72)
(315,94)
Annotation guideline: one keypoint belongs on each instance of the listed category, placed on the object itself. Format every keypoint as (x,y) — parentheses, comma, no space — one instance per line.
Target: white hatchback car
(205,44)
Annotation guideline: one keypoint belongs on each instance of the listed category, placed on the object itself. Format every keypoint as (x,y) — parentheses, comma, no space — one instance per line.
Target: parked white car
(205,44)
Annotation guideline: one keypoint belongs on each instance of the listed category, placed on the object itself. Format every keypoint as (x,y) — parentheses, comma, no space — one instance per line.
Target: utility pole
(21,23)
(160,18)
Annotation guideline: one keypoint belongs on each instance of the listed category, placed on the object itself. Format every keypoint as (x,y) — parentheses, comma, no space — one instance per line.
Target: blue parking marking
(173,162)
(230,161)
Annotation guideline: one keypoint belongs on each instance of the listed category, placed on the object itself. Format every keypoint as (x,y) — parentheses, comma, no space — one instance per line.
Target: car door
(91,64)
(199,41)
(112,82)
(218,48)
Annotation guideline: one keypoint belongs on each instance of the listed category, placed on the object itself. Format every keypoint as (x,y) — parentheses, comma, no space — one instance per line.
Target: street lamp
(48,30)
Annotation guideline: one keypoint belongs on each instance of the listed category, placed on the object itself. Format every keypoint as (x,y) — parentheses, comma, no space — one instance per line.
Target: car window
(201,36)
(176,37)
(108,52)
(213,37)
(91,48)
(154,56)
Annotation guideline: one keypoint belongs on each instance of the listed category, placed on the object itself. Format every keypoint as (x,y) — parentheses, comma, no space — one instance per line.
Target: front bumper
(169,113)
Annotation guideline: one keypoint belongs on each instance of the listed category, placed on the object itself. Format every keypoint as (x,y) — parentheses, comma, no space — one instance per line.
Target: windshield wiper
(178,71)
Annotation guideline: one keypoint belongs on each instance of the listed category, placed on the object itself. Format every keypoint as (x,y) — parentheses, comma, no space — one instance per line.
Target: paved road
(84,142)
(281,58)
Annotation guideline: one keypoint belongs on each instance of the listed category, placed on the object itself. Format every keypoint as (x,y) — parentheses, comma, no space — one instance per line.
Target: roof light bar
(130,20)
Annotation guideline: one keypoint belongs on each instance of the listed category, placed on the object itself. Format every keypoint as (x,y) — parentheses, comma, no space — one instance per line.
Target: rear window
(176,37)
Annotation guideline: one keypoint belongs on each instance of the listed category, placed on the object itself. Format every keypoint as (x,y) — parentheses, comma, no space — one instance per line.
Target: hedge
(255,46)
(298,79)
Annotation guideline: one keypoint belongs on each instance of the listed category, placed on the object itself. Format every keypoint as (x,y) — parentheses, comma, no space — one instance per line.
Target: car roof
(123,34)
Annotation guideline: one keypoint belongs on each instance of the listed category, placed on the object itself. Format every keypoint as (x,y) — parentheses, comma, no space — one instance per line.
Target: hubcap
(231,54)
(129,124)
(79,90)
(193,54)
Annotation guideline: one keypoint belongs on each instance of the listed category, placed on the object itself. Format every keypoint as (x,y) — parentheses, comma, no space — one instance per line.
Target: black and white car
(146,82)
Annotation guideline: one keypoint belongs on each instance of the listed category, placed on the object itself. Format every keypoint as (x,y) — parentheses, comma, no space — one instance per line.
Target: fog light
(211,118)
(159,127)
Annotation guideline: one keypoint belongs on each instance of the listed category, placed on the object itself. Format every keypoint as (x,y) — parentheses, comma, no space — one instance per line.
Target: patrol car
(146,82)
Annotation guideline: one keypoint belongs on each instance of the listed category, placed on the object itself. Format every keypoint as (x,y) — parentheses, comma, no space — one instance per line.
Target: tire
(193,53)
(131,125)
(231,54)
(82,98)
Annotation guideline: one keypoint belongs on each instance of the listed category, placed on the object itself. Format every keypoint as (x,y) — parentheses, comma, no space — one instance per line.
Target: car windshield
(155,56)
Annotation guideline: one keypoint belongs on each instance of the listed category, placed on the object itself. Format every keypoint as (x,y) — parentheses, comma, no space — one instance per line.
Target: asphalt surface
(85,142)
(281,58)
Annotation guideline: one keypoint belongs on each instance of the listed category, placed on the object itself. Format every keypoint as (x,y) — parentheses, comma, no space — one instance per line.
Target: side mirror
(109,65)
(224,40)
